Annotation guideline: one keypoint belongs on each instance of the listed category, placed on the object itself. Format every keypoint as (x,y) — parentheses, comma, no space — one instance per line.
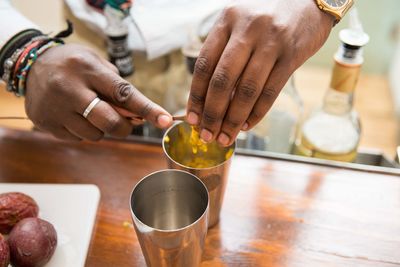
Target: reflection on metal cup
(170,215)
(211,165)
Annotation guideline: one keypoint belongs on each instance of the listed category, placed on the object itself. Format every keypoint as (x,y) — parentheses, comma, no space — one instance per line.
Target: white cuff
(12,22)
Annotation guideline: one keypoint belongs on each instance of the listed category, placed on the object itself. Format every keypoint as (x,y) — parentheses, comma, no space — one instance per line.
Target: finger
(57,130)
(107,120)
(123,94)
(123,112)
(203,70)
(109,65)
(246,94)
(82,128)
(136,122)
(133,118)
(230,66)
(276,80)
(63,133)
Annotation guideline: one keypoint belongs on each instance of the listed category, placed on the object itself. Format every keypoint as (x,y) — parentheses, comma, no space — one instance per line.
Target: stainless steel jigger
(214,177)
(169,212)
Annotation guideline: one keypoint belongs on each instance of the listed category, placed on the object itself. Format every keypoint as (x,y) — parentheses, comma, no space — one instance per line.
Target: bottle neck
(339,98)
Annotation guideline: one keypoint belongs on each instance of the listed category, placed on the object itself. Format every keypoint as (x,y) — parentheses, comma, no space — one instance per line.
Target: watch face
(336,3)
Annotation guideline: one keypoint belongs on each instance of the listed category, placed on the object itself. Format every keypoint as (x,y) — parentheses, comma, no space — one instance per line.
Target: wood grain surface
(276,213)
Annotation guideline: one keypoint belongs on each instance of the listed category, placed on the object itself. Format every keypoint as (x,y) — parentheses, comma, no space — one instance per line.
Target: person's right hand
(246,60)
(65,79)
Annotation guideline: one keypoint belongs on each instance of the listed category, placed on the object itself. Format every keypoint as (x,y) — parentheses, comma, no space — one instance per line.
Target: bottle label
(120,55)
(345,77)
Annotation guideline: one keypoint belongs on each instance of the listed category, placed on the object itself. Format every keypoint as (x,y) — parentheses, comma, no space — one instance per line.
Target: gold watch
(336,8)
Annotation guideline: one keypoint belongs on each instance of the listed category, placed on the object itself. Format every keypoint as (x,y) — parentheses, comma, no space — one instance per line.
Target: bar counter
(276,212)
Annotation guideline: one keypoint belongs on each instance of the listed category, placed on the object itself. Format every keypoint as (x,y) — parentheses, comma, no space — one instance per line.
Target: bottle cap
(353,39)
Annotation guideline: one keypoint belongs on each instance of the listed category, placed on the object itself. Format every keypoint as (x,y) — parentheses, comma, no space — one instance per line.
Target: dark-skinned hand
(65,79)
(247,58)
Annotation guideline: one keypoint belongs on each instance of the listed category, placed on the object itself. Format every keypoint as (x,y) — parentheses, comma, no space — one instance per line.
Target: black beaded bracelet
(17,41)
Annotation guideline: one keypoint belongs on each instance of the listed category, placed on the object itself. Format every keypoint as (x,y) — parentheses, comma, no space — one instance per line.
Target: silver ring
(90,107)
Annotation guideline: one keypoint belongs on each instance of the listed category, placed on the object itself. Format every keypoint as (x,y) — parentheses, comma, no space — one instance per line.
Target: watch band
(337,13)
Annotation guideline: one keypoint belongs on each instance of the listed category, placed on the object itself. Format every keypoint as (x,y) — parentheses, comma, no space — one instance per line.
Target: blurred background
(166,79)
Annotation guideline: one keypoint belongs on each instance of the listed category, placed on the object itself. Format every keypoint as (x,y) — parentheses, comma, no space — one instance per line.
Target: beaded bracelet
(14,43)
(10,63)
(20,61)
(24,57)
(33,55)
(8,66)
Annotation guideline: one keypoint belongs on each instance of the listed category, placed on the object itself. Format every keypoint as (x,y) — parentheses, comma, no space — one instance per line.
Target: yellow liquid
(306,148)
(189,150)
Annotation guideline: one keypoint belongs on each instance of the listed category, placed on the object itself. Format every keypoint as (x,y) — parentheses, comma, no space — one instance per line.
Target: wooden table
(276,213)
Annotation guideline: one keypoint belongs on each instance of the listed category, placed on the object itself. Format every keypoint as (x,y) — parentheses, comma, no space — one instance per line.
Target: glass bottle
(117,41)
(277,131)
(333,132)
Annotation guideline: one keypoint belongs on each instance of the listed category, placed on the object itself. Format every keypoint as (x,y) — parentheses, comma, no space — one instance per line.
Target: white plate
(72,211)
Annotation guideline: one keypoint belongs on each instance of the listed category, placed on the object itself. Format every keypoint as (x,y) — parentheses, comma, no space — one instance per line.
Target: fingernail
(164,120)
(206,135)
(245,126)
(192,118)
(223,139)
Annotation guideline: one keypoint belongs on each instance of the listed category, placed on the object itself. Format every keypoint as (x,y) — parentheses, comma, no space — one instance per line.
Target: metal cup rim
(187,167)
(178,229)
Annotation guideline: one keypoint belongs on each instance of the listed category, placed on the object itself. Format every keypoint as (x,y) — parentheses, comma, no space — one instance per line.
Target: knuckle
(221,25)
(114,68)
(113,124)
(232,124)
(210,117)
(268,92)
(202,66)
(229,11)
(55,80)
(247,91)
(147,109)
(293,59)
(78,60)
(220,81)
(57,83)
(277,29)
(259,21)
(274,28)
(122,92)
(268,50)
(197,99)
(241,44)
(257,115)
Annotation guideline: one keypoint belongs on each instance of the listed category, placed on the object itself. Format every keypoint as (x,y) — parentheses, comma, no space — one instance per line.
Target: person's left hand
(66,79)
(246,60)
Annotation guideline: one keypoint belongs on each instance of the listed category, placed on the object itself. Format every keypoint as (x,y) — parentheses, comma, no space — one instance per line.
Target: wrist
(16,42)
(325,19)
(19,54)
(337,9)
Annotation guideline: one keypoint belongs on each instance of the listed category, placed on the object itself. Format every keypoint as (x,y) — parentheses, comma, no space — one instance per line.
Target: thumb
(122,94)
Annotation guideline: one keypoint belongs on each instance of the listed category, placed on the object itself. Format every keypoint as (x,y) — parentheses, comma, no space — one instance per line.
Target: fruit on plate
(4,252)
(14,207)
(32,243)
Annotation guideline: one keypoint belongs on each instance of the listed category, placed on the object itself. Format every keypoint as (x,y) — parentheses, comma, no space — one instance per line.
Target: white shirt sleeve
(12,22)
(160,26)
